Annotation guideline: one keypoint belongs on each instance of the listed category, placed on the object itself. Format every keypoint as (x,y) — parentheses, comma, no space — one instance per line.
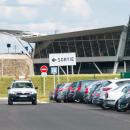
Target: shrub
(38,81)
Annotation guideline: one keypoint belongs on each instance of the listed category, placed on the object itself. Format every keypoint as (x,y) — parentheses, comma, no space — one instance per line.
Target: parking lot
(61,116)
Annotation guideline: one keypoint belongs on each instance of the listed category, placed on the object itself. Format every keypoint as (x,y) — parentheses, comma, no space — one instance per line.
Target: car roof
(27,81)
(117,80)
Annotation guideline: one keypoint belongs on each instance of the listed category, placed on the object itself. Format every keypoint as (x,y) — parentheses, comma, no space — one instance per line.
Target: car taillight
(72,90)
(60,89)
(70,87)
(56,90)
(92,94)
(106,89)
(97,94)
(78,89)
(86,90)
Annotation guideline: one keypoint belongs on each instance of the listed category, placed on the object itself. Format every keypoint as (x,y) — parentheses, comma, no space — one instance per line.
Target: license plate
(23,95)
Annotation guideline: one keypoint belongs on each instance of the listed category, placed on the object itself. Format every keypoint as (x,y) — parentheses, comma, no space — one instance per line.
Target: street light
(8,46)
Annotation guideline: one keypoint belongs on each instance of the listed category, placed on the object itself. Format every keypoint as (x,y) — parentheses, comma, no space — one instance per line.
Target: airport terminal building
(104,50)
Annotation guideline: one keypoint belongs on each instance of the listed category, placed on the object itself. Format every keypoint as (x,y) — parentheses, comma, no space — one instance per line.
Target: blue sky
(48,16)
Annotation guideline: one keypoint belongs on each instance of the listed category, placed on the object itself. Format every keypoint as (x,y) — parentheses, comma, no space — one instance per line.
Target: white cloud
(34,2)
(45,28)
(2,1)
(18,13)
(79,7)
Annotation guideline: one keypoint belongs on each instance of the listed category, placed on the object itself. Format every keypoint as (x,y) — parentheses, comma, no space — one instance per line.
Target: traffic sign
(62,59)
(43,69)
(53,70)
(43,74)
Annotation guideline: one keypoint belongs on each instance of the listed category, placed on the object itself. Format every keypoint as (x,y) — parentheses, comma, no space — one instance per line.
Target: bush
(4,84)
(38,81)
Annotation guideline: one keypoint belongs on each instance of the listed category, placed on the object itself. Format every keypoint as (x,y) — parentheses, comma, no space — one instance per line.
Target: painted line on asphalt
(40,102)
(3,98)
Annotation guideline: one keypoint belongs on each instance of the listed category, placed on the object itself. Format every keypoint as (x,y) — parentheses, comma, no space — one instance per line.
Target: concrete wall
(15,64)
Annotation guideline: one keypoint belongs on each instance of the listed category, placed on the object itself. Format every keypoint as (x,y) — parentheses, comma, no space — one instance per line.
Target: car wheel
(34,102)
(118,107)
(65,101)
(104,107)
(10,102)
(86,101)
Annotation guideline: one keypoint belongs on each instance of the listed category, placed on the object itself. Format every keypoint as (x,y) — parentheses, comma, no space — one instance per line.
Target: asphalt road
(55,116)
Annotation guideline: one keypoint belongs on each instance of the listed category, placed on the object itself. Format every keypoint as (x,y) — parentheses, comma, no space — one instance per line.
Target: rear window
(103,84)
(87,83)
(106,83)
(74,84)
(120,83)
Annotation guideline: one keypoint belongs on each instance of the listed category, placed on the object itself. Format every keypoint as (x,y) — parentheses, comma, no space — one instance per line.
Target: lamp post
(8,46)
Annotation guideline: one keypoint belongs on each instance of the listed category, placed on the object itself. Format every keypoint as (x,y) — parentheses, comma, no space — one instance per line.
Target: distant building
(104,50)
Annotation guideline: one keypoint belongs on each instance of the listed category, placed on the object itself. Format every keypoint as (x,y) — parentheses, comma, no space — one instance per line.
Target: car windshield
(22,85)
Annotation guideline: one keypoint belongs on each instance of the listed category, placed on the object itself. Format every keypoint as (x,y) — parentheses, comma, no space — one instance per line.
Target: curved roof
(35,39)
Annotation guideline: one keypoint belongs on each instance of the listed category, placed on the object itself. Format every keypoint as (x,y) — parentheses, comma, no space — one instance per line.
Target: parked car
(123,103)
(56,92)
(95,96)
(22,91)
(81,87)
(112,96)
(113,84)
(62,92)
(70,93)
(90,91)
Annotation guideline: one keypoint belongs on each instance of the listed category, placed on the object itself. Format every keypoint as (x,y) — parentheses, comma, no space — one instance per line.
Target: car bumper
(98,101)
(22,98)
(70,97)
(110,103)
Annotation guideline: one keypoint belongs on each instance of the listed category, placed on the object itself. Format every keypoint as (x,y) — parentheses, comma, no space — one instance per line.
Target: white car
(22,91)
(113,85)
(112,97)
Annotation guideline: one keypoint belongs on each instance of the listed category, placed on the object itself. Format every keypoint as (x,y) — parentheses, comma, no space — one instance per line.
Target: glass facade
(105,44)
(127,48)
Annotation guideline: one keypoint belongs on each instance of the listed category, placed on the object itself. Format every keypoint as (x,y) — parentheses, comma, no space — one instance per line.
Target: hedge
(49,81)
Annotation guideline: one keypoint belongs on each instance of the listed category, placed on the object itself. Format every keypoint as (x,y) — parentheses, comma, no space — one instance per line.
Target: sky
(58,16)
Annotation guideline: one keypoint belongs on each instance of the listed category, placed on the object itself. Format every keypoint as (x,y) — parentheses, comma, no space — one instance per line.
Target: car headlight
(13,92)
(32,92)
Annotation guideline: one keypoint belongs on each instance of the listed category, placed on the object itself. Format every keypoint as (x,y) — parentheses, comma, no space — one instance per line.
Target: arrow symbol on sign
(53,59)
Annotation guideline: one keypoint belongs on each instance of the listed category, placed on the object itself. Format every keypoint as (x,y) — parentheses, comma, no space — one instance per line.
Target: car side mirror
(36,87)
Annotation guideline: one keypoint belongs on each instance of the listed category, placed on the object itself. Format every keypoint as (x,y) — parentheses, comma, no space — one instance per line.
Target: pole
(41,85)
(67,73)
(54,81)
(2,68)
(124,66)
(72,69)
(44,87)
(58,75)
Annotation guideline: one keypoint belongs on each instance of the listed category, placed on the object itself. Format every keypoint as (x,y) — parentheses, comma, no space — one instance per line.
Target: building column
(115,67)
(124,66)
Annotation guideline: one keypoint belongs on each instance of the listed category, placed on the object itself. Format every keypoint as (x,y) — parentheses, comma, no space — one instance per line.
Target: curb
(42,102)
(3,98)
